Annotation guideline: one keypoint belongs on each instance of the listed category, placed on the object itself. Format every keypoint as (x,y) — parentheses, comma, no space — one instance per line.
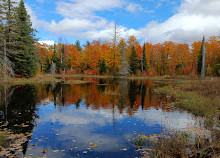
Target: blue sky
(149,20)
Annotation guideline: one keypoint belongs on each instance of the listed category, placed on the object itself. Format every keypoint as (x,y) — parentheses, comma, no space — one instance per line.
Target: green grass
(192,101)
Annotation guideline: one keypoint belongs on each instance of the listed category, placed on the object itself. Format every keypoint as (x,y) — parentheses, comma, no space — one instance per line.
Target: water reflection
(69,118)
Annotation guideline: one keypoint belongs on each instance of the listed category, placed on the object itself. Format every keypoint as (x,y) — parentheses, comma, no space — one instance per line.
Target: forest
(22,56)
(168,58)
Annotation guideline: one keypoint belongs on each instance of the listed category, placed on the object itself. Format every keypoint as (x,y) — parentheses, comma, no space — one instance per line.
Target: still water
(97,119)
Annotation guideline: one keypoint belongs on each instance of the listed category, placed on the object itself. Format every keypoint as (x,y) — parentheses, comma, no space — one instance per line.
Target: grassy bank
(199,99)
(77,78)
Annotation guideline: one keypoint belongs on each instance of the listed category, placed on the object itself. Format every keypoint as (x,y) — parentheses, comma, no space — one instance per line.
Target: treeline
(17,51)
(129,57)
(22,56)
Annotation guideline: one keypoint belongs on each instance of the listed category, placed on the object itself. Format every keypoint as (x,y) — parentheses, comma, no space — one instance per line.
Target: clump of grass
(2,138)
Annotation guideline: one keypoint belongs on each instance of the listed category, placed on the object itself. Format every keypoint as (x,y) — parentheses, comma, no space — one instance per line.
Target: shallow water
(98,119)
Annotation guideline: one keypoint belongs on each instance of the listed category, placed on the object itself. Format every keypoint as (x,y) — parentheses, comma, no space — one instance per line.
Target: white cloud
(68,25)
(80,19)
(194,19)
(48,42)
(35,21)
(86,8)
(133,7)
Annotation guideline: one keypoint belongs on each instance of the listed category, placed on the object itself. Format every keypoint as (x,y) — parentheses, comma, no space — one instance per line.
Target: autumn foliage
(168,58)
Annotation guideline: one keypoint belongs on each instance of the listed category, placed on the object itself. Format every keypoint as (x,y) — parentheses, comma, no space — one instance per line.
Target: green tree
(199,63)
(78,46)
(143,60)
(26,61)
(133,61)
(47,65)
(8,36)
(102,69)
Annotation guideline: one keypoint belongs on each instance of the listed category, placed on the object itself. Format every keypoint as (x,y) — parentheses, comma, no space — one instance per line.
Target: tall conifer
(133,61)
(26,64)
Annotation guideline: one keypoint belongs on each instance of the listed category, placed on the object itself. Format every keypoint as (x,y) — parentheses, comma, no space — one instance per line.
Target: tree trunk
(173,69)
(5,58)
(203,71)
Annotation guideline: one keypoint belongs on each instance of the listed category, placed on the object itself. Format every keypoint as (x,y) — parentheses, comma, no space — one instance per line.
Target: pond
(96,119)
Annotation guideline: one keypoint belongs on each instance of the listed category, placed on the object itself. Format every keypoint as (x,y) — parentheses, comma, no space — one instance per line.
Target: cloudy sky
(149,20)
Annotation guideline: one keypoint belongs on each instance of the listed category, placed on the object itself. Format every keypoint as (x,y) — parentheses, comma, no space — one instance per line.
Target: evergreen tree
(78,46)
(143,60)
(133,61)
(47,65)
(8,36)
(199,63)
(26,62)
(102,67)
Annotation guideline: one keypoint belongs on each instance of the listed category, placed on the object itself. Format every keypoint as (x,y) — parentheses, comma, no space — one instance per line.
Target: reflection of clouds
(85,135)
(81,125)
(84,125)
(175,120)
(82,116)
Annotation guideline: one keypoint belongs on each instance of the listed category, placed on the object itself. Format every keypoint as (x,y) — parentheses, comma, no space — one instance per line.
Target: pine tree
(133,61)
(47,65)
(26,63)
(78,46)
(102,67)
(8,36)
(143,60)
(199,63)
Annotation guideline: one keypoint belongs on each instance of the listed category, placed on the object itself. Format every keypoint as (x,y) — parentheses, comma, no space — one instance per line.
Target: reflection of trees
(143,90)
(19,109)
(102,84)
(104,93)
(123,84)
(132,93)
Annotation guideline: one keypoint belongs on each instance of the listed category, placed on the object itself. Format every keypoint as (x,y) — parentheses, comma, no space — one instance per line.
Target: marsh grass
(40,79)
(198,99)
(177,145)
(48,78)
